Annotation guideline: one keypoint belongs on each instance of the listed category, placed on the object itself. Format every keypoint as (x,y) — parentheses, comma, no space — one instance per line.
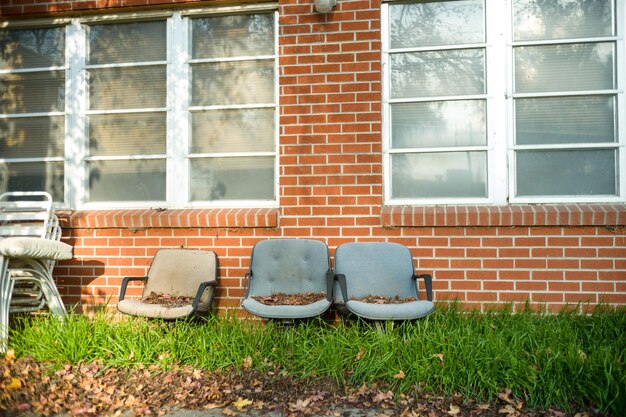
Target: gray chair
(179,273)
(288,266)
(380,269)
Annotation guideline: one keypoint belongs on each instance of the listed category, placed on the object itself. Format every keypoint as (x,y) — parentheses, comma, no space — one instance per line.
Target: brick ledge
(182,218)
(513,215)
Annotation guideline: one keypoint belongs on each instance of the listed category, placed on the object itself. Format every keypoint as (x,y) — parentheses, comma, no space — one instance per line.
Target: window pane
(438,124)
(33,176)
(142,180)
(32,92)
(229,36)
(32,48)
(436,23)
(245,178)
(127,134)
(127,88)
(565,120)
(32,137)
(439,175)
(233,131)
(127,42)
(225,83)
(566,172)
(560,19)
(438,73)
(575,67)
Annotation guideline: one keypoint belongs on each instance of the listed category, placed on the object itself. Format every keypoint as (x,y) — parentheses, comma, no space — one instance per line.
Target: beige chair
(180,273)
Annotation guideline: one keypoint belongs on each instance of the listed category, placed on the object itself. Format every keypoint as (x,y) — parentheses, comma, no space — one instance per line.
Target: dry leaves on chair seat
(375,299)
(168,300)
(290,299)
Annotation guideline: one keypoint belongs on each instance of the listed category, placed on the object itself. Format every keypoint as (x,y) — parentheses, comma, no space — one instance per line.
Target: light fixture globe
(324,6)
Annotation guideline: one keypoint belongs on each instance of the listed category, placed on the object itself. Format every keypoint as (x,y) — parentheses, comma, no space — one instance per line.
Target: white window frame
(500,120)
(178,111)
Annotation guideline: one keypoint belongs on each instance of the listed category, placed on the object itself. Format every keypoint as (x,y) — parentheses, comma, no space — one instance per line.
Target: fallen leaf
(454,410)
(247,363)
(15,384)
(399,375)
(10,355)
(228,412)
(242,403)
(359,355)
(439,356)
(508,409)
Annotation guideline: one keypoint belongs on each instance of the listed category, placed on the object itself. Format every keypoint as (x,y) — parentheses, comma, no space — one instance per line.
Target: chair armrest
(341,278)
(246,284)
(125,282)
(428,283)
(201,289)
(330,285)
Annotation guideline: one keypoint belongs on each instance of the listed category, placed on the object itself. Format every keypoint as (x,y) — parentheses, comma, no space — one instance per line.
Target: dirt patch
(32,389)
(168,300)
(374,299)
(290,299)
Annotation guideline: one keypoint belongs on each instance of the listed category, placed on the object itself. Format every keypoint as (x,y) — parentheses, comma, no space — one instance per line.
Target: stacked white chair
(29,247)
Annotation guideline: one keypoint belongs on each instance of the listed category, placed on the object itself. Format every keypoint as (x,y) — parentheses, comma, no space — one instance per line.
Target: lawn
(528,361)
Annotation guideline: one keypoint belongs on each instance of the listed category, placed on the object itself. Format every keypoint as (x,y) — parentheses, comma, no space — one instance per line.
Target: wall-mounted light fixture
(324,6)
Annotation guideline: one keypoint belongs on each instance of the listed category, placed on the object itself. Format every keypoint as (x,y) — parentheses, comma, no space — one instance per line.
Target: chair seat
(34,248)
(404,311)
(139,308)
(285,311)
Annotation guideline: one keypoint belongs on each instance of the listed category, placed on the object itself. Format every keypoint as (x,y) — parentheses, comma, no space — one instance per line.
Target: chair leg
(6,288)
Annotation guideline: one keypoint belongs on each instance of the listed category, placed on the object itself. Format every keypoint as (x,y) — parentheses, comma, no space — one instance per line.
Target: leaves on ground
(290,299)
(92,389)
(168,300)
(375,299)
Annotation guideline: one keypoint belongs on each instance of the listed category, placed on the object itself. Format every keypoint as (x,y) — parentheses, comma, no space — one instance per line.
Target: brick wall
(331,190)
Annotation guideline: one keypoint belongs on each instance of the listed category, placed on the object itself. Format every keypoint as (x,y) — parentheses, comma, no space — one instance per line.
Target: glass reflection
(439,175)
(127,88)
(233,131)
(137,180)
(32,92)
(561,19)
(557,120)
(572,67)
(438,124)
(32,48)
(245,178)
(566,172)
(438,73)
(226,83)
(33,176)
(32,137)
(127,134)
(229,36)
(127,42)
(436,23)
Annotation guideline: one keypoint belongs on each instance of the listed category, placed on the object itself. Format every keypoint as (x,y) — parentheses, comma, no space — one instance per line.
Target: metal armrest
(125,282)
(341,278)
(201,289)
(330,284)
(246,284)
(428,283)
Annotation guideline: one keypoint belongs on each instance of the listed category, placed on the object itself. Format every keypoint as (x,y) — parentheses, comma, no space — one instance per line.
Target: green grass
(548,360)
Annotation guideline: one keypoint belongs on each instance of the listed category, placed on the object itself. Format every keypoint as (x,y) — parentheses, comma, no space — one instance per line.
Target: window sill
(512,215)
(183,218)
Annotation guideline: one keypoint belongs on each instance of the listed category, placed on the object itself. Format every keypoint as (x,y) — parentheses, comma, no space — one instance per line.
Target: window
(493,102)
(174,110)
(32,110)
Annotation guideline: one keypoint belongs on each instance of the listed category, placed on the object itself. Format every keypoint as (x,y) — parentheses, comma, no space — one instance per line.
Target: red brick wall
(331,190)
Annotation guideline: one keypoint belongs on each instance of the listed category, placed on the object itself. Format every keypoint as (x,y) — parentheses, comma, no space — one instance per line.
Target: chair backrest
(375,268)
(289,266)
(28,214)
(180,271)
